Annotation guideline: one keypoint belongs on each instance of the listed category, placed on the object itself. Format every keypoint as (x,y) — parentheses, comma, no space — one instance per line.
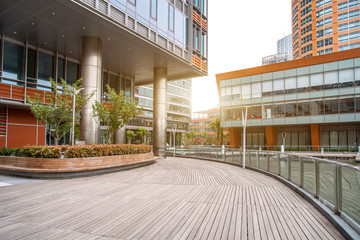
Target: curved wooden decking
(171,199)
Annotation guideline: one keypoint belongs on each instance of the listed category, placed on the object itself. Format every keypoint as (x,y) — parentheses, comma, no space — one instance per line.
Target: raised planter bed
(72,167)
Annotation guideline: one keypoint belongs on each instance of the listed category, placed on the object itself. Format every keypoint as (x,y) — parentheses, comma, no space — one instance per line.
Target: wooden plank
(172,199)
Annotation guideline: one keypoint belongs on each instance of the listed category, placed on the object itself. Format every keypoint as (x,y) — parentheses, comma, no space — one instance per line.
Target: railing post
(289,167)
(257,158)
(337,188)
(217,155)
(301,171)
(268,162)
(279,164)
(232,151)
(316,178)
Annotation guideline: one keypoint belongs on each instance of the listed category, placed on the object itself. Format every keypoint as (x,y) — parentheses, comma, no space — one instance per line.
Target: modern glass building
(284,52)
(307,102)
(201,120)
(324,26)
(178,109)
(122,43)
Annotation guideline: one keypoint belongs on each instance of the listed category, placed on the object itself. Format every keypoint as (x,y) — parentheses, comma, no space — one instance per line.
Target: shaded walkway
(172,199)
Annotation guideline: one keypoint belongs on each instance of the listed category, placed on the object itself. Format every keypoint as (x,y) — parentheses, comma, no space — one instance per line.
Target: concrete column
(91,70)
(120,136)
(160,114)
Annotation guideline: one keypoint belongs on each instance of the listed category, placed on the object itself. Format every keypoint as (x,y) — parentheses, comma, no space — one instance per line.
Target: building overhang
(60,25)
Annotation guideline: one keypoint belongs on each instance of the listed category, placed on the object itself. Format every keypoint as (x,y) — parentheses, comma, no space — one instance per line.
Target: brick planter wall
(66,165)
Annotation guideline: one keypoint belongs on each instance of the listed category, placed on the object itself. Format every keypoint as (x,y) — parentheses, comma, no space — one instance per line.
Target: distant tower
(324,26)
(284,52)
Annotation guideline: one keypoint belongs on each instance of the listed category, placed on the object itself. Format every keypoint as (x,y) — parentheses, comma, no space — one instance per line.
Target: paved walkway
(171,199)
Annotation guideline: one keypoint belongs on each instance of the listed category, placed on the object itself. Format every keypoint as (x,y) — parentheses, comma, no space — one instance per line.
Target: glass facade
(324,94)
(40,66)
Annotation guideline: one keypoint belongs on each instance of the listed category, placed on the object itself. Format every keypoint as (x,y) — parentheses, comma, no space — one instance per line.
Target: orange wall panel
(41,135)
(2,141)
(20,135)
(20,116)
(315,136)
(234,137)
(270,136)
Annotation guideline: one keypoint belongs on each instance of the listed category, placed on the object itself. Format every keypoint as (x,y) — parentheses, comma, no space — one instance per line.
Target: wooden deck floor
(171,199)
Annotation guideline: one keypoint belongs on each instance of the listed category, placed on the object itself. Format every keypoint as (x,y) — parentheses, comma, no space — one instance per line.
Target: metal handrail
(310,177)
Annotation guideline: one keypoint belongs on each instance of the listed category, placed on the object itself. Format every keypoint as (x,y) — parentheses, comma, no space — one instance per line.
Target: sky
(240,34)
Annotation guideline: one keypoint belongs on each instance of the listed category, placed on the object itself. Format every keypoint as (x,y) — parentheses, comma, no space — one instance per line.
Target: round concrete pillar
(160,114)
(91,70)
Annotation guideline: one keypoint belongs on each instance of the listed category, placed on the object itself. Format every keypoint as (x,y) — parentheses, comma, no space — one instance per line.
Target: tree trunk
(56,141)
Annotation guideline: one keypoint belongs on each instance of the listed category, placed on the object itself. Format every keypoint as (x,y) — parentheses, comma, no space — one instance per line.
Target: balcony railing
(335,184)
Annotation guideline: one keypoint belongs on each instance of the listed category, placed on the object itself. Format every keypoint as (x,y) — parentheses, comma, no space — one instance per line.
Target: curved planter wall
(72,167)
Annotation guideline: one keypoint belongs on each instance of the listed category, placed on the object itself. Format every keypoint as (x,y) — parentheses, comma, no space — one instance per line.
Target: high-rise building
(122,43)
(324,26)
(284,52)
(284,46)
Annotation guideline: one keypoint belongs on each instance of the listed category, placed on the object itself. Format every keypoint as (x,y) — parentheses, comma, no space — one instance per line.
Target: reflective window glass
(256,90)
(128,90)
(303,109)
(163,17)
(278,86)
(171,18)
(228,91)
(267,88)
(303,83)
(331,80)
(316,81)
(13,63)
(331,107)
(179,26)
(246,91)
(316,108)
(60,70)
(45,70)
(347,105)
(72,72)
(143,9)
(290,109)
(346,78)
(290,85)
(31,63)
(236,90)
(132,1)
(153,7)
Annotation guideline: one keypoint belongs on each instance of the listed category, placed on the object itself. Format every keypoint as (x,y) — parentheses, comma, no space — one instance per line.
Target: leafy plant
(56,111)
(115,113)
(129,135)
(142,133)
(215,126)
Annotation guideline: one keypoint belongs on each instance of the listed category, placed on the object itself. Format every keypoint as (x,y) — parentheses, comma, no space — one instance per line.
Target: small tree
(190,136)
(215,126)
(202,137)
(115,113)
(130,135)
(142,133)
(56,114)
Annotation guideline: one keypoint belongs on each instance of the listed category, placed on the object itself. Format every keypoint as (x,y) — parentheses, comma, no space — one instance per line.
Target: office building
(324,26)
(178,109)
(284,52)
(306,102)
(123,43)
(200,122)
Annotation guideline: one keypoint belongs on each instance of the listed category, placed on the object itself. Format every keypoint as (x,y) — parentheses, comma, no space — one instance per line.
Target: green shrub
(9,151)
(81,151)
(105,150)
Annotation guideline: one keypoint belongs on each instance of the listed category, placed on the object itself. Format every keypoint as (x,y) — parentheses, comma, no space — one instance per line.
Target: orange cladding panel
(20,116)
(315,136)
(20,135)
(41,135)
(270,136)
(2,141)
(234,137)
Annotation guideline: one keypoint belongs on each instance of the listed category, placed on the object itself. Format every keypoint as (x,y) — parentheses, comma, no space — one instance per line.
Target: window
(45,71)
(171,18)
(13,63)
(267,88)
(347,105)
(153,9)
(279,86)
(72,72)
(303,83)
(324,11)
(290,85)
(331,80)
(303,109)
(331,106)
(256,90)
(316,81)
(132,2)
(346,78)
(31,63)
(246,91)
